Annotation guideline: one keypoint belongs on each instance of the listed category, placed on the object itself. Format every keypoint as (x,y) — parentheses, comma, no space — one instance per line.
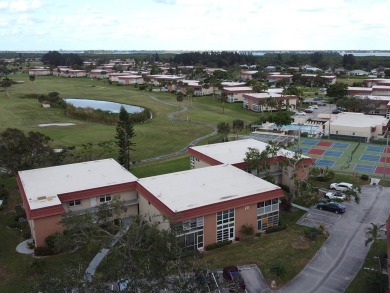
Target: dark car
(336,111)
(332,207)
(232,274)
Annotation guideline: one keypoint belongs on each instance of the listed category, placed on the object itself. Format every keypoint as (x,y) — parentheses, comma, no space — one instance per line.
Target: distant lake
(103,105)
(364,54)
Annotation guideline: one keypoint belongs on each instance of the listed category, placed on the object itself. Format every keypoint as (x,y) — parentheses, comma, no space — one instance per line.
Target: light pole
(330,116)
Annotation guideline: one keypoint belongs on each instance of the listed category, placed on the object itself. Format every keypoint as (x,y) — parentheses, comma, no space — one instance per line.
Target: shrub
(277,268)
(38,265)
(217,245)
(311,233)
(43,251)
(364,177)
(278,228)
(247,230)
(26,234)
(51,240)
(31,245)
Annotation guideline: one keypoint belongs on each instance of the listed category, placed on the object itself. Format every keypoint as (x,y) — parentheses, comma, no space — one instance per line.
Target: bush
(217,245)
(278,228)
(284,187)
(277,268)
(311,233)
(43,251)
(51,240)
(30,245)
(26,234)
(364,177)
(247,230)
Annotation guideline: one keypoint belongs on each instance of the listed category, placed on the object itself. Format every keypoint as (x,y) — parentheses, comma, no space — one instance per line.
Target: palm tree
(261,103)
(280,104)
(271,102)
(372,235)
(223,100)
(224,129)
(179,98)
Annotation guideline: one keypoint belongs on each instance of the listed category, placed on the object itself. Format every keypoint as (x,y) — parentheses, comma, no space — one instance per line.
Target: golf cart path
(172,116)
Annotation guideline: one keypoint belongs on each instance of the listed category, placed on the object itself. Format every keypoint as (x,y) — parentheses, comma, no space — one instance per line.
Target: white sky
(195,25)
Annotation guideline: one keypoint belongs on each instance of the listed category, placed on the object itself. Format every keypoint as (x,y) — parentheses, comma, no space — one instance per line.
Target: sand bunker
(56,124)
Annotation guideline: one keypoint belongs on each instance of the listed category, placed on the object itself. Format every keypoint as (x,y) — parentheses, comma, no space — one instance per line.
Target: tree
(281,118)
(387,73)
(348,61)
(338,90)
(224,129)
(124,136)
(238,125)
(223,98)
(271,103)
(372,235)
(32,77)
(21,152)
(179,98)
(6,84)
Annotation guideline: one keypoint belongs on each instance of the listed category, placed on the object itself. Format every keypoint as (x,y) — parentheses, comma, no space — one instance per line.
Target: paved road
(340,258)
(342,255)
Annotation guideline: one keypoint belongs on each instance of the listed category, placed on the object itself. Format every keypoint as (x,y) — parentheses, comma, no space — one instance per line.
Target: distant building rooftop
(358,120)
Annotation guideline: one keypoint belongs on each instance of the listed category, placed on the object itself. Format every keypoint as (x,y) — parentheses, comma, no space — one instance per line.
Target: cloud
(21,5)
(169,2)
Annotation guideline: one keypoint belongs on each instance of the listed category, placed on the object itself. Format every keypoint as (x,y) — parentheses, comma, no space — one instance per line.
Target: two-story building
(258,102)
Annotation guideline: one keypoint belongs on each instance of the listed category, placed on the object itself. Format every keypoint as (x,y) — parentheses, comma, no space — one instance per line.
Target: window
(73,203)
(105,198)
(267,214)
(192,233)
(225,225)
(376,111)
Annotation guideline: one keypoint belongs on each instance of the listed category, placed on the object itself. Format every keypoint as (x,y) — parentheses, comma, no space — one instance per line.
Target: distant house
(275,77)
(130,79)
(113,76)
(358,72)
(99,73)
(257,101)
(330,79)
(40,71)
(68,72)
(236,94)
(376,81)
(247,74)
(270,68)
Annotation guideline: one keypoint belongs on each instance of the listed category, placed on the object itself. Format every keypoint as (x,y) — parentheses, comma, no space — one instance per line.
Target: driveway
(342,255)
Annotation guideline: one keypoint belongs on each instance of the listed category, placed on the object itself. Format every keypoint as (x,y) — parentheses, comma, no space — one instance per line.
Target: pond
(103,105)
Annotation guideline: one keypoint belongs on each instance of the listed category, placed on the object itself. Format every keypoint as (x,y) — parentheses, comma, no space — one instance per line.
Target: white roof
(376,98)
(263,95)
(277,90)
(42,186)
(357,120)
(233,152)
(204,186)
(237,88)
(231,83)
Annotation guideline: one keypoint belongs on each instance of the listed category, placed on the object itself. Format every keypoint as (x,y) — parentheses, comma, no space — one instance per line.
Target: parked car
(335,195)
(313,107)
(336,111)
(342,186)
(331,206)
(308,110)
(232,274)
(301,114)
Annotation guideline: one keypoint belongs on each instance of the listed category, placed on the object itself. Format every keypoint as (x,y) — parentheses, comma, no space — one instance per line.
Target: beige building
(357,125)
(258,102)
(236,94)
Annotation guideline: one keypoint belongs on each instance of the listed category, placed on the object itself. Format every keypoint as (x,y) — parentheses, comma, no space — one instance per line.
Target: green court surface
(347,156)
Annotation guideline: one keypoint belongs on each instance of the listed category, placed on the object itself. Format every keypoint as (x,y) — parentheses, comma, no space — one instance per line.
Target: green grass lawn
(288,247)
(16,275)
(366,279)
(156,137)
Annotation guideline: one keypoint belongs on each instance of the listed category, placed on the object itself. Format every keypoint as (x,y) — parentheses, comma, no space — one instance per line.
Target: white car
(335,195)
(301,114)
(313,107)
(342,186)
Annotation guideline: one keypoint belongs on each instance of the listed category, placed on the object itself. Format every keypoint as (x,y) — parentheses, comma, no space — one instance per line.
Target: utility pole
(330,116)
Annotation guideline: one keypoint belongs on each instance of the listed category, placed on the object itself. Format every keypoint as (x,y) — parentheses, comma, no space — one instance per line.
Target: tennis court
(336,154)
(382,170)
(316,152)
(385,159)
(325,143)
(340,145)
(370,158)
(309,142)
(324,163)
(364,168)
(372,148)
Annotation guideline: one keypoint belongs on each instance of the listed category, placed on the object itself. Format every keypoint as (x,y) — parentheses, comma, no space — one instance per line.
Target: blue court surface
(340,145)
(371,148)
(324,163)
(370,158)
(335,154)
(309,142)
(364,168)
(303,150)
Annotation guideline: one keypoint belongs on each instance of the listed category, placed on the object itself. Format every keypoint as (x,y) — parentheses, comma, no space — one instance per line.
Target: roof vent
(41,197)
